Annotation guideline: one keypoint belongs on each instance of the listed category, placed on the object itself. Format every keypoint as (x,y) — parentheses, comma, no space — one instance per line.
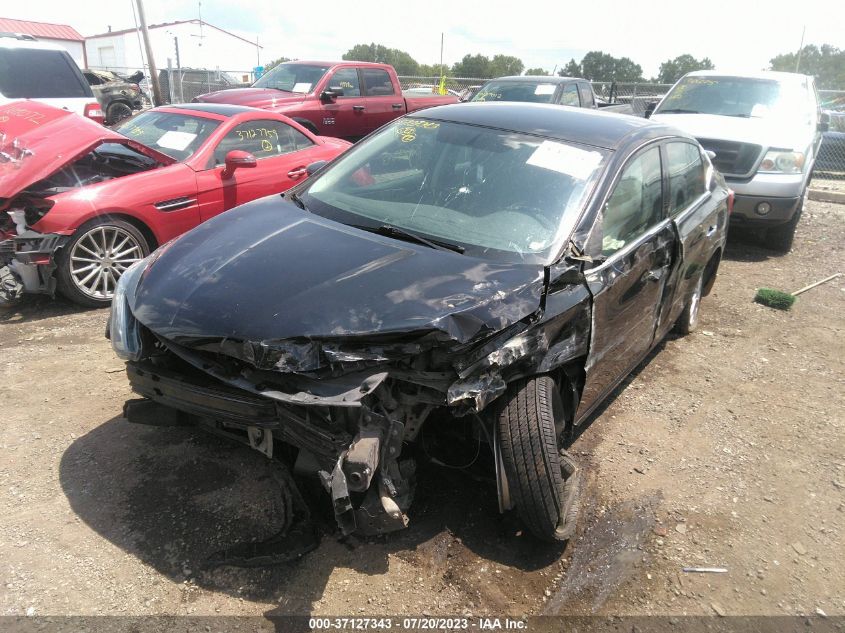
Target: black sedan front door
(628,288)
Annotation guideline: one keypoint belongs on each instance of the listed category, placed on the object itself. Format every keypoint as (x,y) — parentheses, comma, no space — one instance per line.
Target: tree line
(826,63)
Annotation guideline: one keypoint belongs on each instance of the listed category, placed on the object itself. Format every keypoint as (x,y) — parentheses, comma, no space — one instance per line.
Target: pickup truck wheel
(117,112)
(540,476)
(90,265)
(688,321)
(780,238)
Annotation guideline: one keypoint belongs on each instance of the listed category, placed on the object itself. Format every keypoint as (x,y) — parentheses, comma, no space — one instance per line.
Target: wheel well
(138,224)
(710,272)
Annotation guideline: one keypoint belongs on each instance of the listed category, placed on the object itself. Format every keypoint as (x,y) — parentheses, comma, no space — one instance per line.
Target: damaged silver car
(502,266)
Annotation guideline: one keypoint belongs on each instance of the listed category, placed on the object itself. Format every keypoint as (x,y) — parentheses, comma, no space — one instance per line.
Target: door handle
(358,108)
(299,172)
(396,106)
(711,230)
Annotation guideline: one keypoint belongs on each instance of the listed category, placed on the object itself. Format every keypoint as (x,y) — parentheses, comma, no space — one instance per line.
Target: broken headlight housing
(124,330)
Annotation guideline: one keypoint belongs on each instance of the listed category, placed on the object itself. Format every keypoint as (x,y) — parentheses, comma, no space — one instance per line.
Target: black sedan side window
(636,203)
(687,174)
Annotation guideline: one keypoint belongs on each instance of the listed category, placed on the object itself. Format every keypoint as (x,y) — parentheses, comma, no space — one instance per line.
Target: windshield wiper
(677,111)
(293,197)
(403,234)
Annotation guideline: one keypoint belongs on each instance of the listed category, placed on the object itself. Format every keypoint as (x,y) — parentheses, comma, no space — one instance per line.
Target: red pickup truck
(341,99)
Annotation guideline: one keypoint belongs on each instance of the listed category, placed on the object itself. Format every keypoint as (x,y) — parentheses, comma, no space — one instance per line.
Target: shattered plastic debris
(481,389)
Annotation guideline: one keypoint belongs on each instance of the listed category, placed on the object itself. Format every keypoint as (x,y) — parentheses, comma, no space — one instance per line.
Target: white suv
(764,129)
(44,72)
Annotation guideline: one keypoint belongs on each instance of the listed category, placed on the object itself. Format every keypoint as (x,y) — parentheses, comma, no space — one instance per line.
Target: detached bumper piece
(370,487)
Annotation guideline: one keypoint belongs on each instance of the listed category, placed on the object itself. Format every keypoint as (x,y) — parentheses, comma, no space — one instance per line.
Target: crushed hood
(267,271)
(266,98)
(37,140)
(766,132)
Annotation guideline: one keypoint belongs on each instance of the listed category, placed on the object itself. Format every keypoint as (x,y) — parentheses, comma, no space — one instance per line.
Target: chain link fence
(183,85)
(830,163)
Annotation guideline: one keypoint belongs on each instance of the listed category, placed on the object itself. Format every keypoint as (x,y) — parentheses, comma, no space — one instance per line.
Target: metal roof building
(60,34)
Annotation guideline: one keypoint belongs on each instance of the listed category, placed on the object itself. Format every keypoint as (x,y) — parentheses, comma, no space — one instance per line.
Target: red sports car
(83,202)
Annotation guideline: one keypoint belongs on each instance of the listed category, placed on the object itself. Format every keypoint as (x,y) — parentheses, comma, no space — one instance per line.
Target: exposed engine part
(11,287)
(362,459)
(261,440)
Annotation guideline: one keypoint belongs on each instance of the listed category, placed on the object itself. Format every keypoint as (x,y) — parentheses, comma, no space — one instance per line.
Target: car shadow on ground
(744,245)
(31,308)
(174,496)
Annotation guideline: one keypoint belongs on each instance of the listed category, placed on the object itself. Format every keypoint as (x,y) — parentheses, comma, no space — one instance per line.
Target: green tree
(472,66)
(673,69)
(400,60)
(825,63)
(275,62)
(600,66)
(572,69)
(433,70)
(504,65)
(537,71)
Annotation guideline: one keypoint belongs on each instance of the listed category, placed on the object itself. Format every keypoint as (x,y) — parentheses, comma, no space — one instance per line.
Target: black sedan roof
(578,125)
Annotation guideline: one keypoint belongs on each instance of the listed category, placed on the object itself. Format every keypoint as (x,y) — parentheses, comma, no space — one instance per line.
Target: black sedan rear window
(27,73)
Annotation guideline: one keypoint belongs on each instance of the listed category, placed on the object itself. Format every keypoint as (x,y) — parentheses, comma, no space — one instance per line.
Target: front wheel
(543,478)
(96,257)
(780,238)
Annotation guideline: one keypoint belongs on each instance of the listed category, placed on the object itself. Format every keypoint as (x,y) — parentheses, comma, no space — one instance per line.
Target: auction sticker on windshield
(301,87)
(544,89)
(565,159)
(175,140)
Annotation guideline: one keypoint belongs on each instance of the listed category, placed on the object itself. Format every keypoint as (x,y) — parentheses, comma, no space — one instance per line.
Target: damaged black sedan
(499,265)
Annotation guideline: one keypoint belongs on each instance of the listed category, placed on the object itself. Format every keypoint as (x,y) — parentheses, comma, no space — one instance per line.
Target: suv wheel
(780,238)
(118,111)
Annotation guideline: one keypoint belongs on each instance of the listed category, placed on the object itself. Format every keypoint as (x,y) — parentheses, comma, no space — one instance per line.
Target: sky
(737,35)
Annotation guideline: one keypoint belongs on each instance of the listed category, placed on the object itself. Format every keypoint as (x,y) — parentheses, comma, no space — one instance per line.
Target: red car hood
(266,98)
(37,140)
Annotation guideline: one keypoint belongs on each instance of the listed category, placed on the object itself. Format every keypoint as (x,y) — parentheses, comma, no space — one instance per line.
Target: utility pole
(441,53)
(800,49)
(142,18)
(178,71)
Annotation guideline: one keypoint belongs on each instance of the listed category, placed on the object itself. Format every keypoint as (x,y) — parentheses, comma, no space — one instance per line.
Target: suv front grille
(732,158)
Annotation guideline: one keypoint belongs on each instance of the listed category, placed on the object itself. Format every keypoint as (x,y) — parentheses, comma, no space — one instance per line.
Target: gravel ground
(724,448)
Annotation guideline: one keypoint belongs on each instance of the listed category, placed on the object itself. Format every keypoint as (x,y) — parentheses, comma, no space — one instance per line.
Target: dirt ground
(724,449)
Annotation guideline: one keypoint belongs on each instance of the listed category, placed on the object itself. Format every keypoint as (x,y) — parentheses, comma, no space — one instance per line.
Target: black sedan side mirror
(824,122)
(315,167)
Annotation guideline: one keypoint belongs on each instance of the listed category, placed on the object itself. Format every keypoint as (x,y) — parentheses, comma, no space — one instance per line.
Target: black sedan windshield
(292,77)
(498,194)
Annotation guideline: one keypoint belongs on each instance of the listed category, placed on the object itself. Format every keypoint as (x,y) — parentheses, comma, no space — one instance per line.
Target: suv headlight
(124,329)
(780,162)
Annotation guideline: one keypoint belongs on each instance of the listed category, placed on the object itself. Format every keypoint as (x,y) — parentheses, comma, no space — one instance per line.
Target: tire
(118,111)
(87,268)
(688,321)
(780,238)
(530,422)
